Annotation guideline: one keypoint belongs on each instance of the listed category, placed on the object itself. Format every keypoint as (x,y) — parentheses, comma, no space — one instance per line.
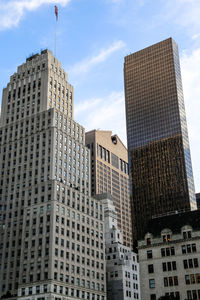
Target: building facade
(158,146)
(109,174)
(122,267)
(198,200)
(51,230)
(169,257)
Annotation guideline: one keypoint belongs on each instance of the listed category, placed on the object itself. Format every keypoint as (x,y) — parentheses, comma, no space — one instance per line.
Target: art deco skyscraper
(51,230)
(158,146)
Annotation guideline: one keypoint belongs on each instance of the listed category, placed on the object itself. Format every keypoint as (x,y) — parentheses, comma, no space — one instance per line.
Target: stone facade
(122,267)
(51,230)
(169,257)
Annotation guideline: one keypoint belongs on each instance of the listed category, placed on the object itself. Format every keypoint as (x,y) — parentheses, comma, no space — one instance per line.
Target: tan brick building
(109,174)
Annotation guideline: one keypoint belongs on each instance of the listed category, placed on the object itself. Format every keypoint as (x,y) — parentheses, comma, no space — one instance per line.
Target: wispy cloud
(190,63)
(13,11)
(184,13)
(116,1)
(85,65)
(106,113)
(196,36)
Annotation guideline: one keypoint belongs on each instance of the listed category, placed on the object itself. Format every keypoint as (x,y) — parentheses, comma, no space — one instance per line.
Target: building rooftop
(34,55)
(103,196)
(174,222)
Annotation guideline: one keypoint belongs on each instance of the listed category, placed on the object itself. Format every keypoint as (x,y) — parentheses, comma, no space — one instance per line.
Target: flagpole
(55,40)
(56,13)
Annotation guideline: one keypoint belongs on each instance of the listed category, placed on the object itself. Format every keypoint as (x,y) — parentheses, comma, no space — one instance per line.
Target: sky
(93,36)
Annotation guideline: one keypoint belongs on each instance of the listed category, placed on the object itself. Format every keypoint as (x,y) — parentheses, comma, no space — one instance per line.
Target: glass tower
(158,146)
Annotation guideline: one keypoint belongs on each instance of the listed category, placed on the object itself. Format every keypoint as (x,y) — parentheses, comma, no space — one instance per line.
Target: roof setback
(174,222)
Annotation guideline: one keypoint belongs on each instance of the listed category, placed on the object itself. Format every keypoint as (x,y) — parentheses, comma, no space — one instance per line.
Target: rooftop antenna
(56,13)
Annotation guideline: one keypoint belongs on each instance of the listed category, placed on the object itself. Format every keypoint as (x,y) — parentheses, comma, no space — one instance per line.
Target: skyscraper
(51,230)
(158,146)
(109,174)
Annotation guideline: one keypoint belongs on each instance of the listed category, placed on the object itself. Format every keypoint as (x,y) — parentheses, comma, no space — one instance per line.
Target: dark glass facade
(158,145)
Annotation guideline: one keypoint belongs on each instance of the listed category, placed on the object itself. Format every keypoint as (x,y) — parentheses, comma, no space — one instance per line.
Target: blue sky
(93,38)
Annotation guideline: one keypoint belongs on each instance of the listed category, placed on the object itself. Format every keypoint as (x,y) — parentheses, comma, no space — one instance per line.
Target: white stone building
(51,230)
(122,268)
(169,257)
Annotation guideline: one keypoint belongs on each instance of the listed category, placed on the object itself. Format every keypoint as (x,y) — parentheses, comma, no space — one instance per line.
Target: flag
(56,12)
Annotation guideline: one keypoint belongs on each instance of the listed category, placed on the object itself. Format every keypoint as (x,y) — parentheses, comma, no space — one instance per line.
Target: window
(195,262)
(175,280)
(192,278)
(169,251)
(150,269)
(169,266)
(166,237)
(187,234)
(151,283)
(194,295)
(149,254)
(165,281)
(189,295)
(190,263)
(148,241)
(170,281)
(189,248)
(187,279)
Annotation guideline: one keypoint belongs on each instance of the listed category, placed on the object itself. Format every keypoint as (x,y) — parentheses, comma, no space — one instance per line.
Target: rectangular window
(192,278)
(194,249)
(198,278)
(165,281)
(162,252)
(149,254)
(164,265)
(150,268)
(174,265)
(187,279)
(189,295)
(175,280)
(185,265)
(170,281)
(151,283)
(196,264)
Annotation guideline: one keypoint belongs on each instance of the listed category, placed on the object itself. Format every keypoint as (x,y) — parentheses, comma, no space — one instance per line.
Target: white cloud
(13,11)
(196,36)
(190,66)
(103,113)
(85,65)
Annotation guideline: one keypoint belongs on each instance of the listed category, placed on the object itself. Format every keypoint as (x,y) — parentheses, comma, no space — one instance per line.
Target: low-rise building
(169,257)
(122,268)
